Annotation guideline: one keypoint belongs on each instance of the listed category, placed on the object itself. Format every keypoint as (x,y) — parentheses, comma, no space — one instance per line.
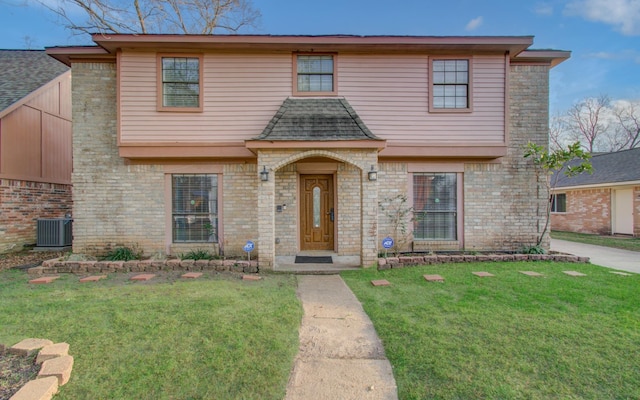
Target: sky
(603,35)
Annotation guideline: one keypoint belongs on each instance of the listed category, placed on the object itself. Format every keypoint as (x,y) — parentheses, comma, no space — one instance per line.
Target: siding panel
(241,93)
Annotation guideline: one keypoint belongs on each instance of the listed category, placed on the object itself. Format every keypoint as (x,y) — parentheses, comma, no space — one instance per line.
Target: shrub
(124,254)
(198,254)
(533,250)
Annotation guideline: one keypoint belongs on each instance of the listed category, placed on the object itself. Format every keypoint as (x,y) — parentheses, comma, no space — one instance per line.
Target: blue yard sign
(249,246)
(387,242)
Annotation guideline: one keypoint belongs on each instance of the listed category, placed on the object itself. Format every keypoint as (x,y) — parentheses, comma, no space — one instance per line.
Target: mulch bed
(15,372)
(26,259)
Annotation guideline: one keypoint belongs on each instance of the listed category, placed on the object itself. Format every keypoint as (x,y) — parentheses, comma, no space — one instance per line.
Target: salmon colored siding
(35,138)
(391,94)
(242,92)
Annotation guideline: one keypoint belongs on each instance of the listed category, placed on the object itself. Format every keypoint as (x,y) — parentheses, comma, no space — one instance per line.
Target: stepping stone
(142,277)
(94,278)
(43,388)
(574,273)
(531,273)
(60,367)
(52,351)
(251,277)
(482,274)
(380,282)
(433,278)
(619,273)
(44,280)
(192,275)
(29,346)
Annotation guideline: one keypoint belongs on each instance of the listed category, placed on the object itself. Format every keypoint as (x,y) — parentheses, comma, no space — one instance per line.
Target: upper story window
(314,74)
(180,81)
(450,85)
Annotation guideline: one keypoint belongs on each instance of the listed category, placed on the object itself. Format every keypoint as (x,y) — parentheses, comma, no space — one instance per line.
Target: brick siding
(588,211)
(22,203)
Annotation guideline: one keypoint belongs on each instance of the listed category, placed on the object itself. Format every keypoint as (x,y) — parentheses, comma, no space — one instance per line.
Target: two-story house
(300,143)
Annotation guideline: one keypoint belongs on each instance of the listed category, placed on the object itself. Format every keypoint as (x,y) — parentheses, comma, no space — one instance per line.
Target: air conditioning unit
(54,232)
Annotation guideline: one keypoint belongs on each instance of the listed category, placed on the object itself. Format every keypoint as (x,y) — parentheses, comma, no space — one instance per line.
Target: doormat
(314,260)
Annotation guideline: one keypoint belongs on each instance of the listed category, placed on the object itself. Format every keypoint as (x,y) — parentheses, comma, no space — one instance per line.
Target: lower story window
(435,206)
(195,208)
(559,202)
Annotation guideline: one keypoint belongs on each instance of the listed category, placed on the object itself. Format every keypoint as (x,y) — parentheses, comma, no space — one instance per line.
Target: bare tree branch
(156,16)
(586,124)
(628,116)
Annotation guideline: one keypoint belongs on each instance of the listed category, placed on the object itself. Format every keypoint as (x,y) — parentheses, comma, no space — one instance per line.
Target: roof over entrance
(316,120)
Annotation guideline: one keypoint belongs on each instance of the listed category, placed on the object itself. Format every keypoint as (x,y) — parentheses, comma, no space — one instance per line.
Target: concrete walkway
(623,260)
(340,355)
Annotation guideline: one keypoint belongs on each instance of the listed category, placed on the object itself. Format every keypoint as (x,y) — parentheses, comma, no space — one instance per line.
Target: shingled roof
(24,71)
(617,167)
(316,119)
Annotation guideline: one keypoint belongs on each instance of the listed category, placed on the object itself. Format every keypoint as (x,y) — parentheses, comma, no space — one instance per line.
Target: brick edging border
(55,367)
(57,266)
(410,261)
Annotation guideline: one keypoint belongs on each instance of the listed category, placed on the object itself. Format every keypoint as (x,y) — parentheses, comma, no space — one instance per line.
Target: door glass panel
(316,207)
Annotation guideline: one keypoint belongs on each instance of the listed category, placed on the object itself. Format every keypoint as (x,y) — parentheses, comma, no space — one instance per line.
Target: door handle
(331,215)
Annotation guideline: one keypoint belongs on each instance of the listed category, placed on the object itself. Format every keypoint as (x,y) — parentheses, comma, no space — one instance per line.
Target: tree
(155,16)
(587,124)
(570,161)
(557,130)
(398,214)
(628,130)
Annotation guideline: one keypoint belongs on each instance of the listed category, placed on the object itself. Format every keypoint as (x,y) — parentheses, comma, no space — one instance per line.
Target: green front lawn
(510,336)
(210,338)
(625,243)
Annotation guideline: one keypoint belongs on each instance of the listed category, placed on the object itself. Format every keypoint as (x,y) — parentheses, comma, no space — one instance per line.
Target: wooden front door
(317,212)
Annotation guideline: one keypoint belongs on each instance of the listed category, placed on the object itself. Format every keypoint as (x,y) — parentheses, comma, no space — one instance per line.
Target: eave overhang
(80,53)
(108,45)
(315,144)
(512,44)
(546,57)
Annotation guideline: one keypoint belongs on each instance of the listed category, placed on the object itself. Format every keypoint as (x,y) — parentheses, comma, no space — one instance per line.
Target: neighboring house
(35,144)
(298,143)
(605,202)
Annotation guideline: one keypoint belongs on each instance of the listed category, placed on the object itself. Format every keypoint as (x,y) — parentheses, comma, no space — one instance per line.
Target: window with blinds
(435,206)
(195,208)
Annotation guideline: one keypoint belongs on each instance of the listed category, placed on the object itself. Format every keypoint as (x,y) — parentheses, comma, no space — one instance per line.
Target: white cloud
(624,15)
(543,9)
(625,55)
(474,24)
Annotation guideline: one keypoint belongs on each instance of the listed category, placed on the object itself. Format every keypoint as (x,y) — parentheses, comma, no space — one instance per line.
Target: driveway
(623,260)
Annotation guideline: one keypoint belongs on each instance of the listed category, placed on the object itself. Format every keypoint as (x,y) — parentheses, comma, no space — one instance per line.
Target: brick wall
(588,211)
(504,204)
(240,211)
(22,203)
(114,204)
(392,182)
